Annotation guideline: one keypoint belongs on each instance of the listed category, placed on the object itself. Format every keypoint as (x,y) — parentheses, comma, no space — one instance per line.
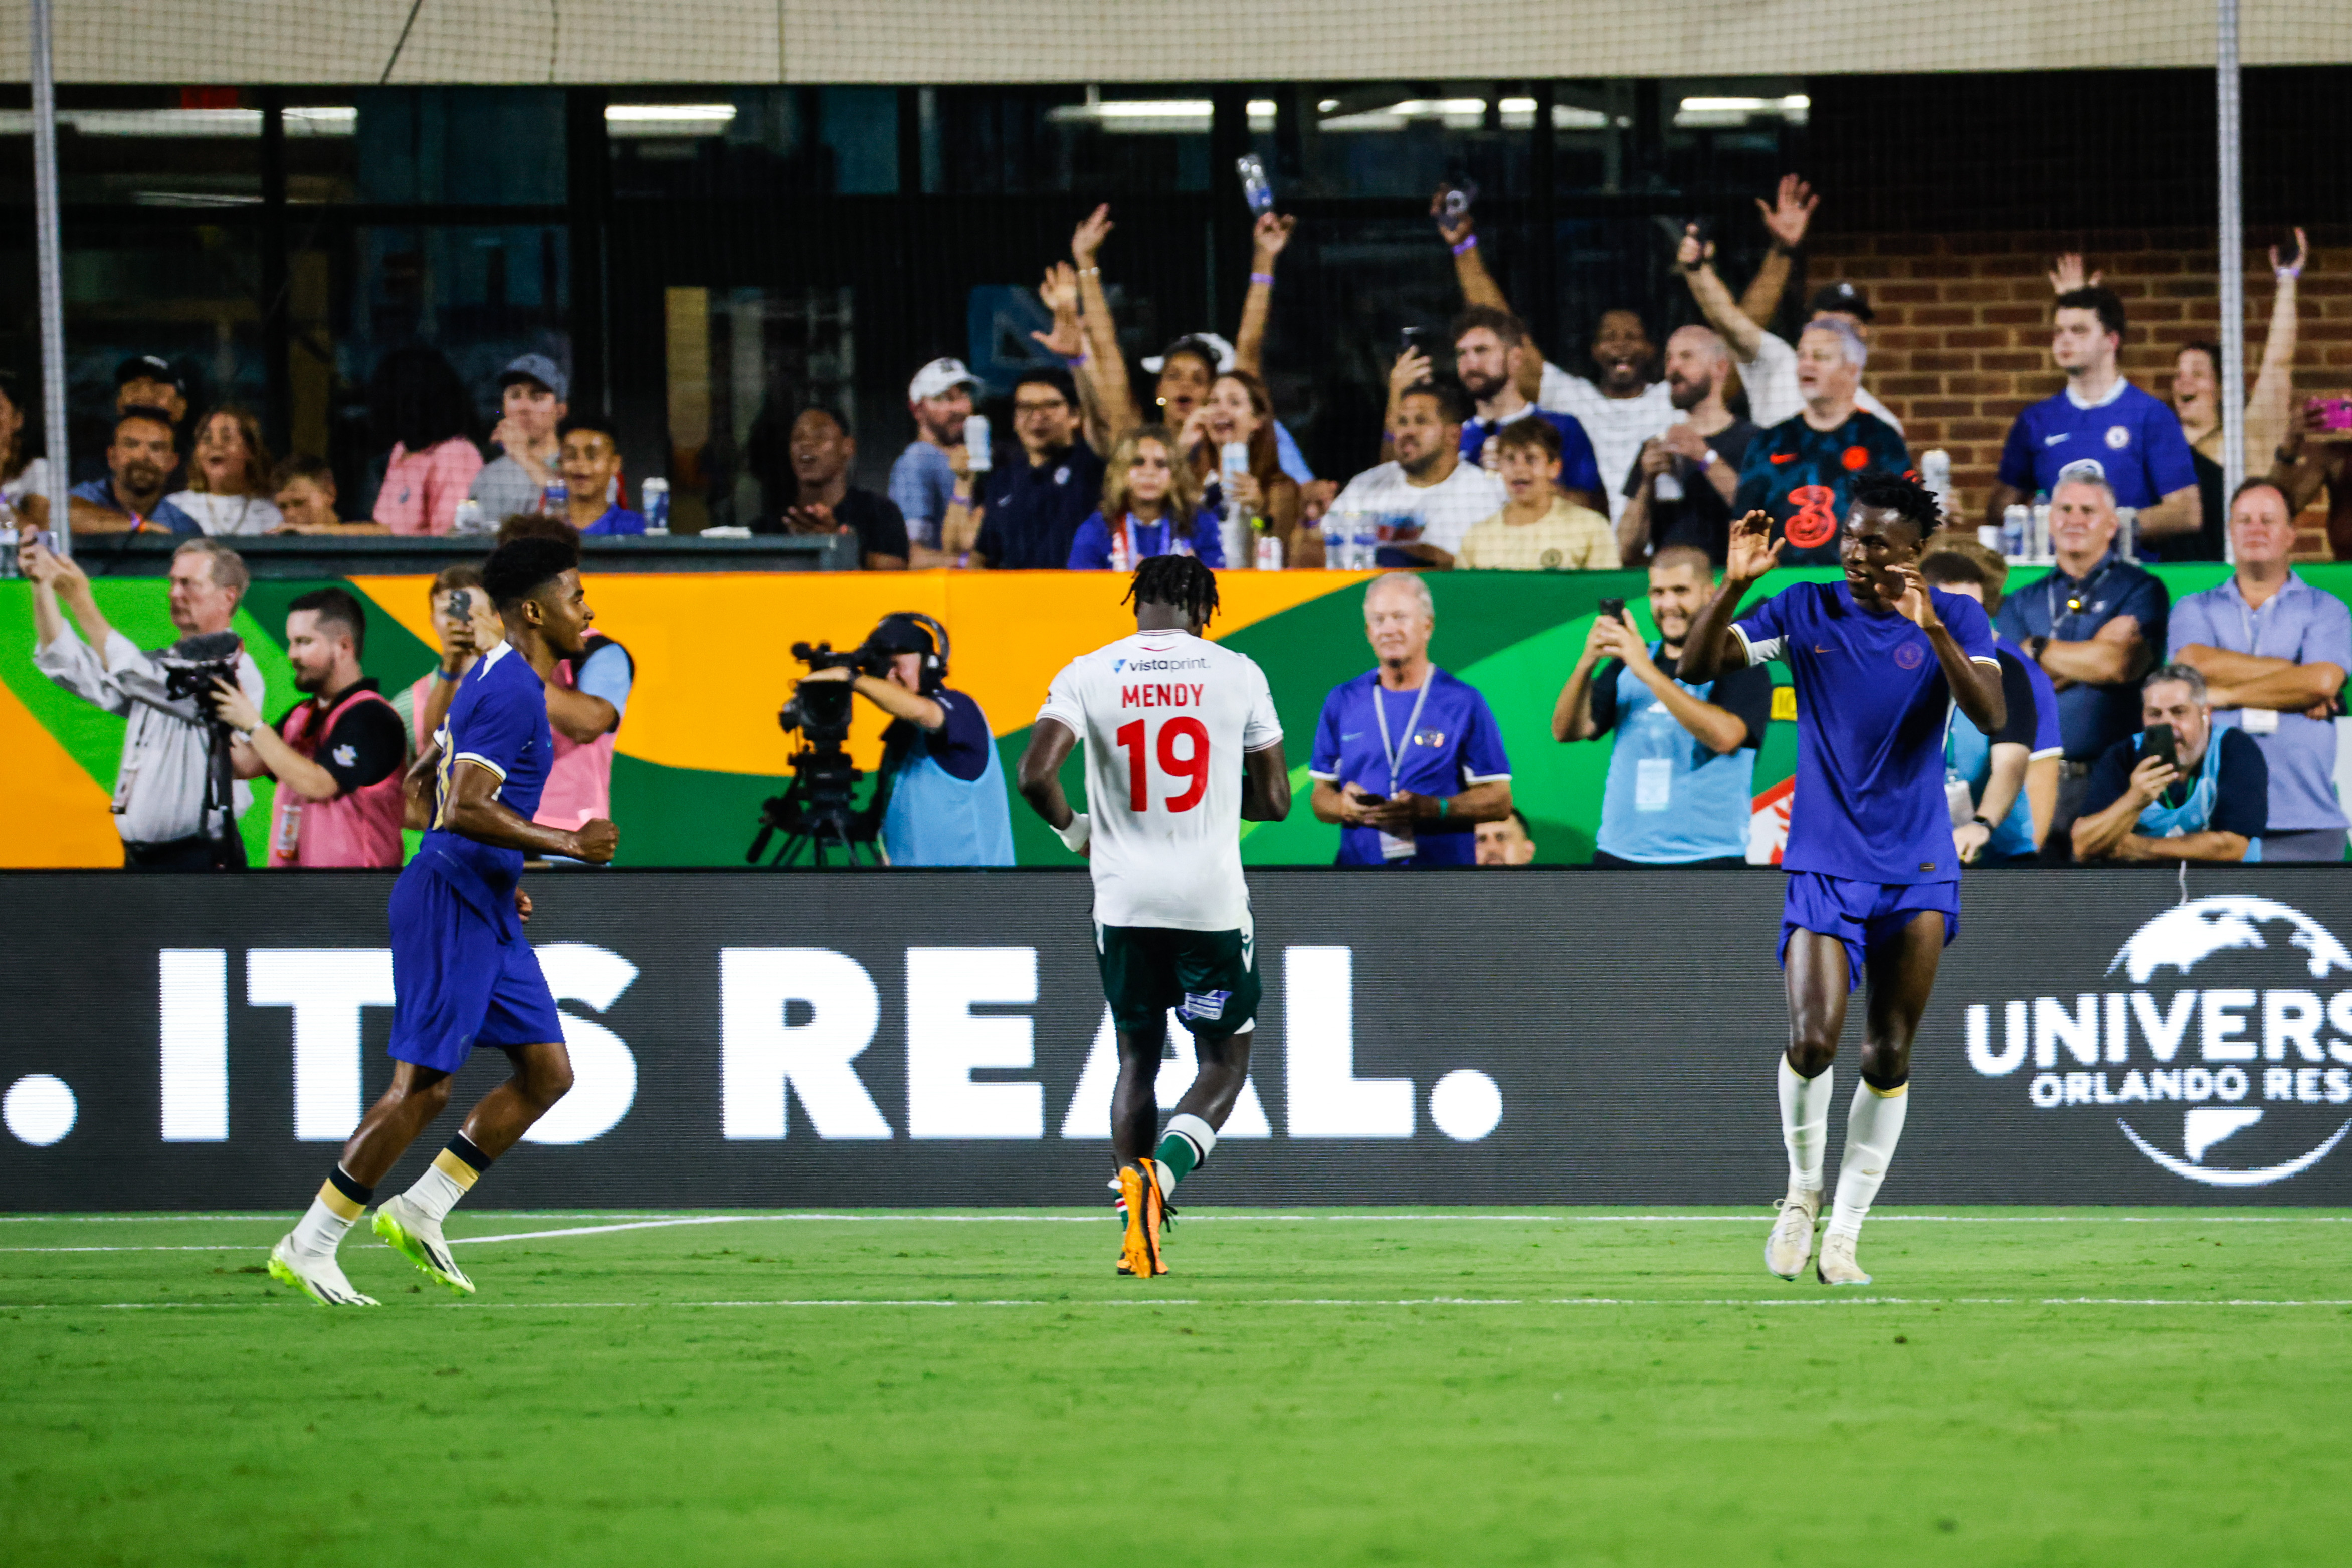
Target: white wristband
(1073,837)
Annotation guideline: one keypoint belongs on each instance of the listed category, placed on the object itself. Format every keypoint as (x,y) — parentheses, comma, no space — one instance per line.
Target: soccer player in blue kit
(462,974)
(1874,880)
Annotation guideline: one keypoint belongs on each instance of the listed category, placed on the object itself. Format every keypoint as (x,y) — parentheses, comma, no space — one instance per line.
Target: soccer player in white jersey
(1166,716)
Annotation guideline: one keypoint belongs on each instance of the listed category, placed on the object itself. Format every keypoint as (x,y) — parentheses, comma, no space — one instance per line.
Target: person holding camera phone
(160,792)
(2179,790)
(940,789)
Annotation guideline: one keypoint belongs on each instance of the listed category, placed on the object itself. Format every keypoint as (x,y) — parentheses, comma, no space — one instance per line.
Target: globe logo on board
(2220,1046)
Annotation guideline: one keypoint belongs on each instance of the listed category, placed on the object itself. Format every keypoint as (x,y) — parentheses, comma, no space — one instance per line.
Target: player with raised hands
(1878,662)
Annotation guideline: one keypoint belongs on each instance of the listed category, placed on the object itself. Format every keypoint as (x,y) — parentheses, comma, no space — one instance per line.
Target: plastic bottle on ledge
(2016,524)
(2038,547)
(654,496)
(555,500)
(470,519)
(2127,532)
(1269,553)
(1334,529)
(1935,473)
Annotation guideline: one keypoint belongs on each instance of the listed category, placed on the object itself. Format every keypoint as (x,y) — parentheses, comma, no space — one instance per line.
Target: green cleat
(320,1279)
(418,1239)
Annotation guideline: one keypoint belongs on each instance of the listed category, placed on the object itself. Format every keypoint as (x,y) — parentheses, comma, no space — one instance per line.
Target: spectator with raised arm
(1803,470)
(2209,803)
(1768,363)
(822,451)
(2136,440)
(229,482)
(1681,487)
(139,463)
(1229,441)
(2273,651)
(1150,506)
(1491,352)
(1425,498)
(2094,625)
(533,394)
(931,482)
(1620,406)
(2197,399)
(2315,457)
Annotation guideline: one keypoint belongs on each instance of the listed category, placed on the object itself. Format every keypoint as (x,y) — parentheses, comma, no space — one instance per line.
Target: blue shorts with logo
(1861,915)
(461,975)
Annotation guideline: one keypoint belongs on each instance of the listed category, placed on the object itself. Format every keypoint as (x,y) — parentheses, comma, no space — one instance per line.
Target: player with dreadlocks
(1879,661)
(1183,745)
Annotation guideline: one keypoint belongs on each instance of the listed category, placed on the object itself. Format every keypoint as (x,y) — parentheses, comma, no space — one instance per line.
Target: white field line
(835,1303)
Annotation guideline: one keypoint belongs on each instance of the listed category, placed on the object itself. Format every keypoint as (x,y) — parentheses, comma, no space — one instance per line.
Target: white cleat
(1837,1265)
(1790,1246)
(320,1279)
(406,1230)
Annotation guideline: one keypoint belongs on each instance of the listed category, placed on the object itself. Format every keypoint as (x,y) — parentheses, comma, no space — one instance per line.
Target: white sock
(321,1227)
(1192,1131)
(1805,1122)
(1872,1127)
(445,1181)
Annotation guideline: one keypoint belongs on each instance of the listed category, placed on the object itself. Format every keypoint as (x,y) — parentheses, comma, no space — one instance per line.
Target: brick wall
(1961,343)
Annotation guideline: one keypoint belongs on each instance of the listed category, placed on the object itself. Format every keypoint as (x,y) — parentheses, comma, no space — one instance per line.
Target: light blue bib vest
(1670,798)
(1968,756)
(2192,815)
(935,818)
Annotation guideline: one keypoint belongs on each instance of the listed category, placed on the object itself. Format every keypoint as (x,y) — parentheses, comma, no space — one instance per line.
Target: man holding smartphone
(2179,790)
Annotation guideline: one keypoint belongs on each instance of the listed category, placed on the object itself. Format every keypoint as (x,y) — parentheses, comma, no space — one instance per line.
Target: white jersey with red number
(1165,718)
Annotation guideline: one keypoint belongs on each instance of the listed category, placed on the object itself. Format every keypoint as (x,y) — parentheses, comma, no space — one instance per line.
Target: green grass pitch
(1536,1386)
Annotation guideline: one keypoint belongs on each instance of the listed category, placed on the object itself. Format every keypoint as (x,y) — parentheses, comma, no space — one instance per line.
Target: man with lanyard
(2273,651)
(1682,773)
(2208,801)
(940,782)
(1032,508)
(2135,437)
(1408,760)
(1984,775)
(2093,624)
(337,755)
(139,463)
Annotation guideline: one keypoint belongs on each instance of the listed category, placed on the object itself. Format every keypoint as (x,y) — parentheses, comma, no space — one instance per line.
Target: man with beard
(822,451)
(1428,498)
(1681,487)
(931,482)
(1801,471)
(337,754)
(138,464)
(1490,352)
(1667,803)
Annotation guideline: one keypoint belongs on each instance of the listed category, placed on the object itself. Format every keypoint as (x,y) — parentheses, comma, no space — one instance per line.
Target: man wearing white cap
(931,481)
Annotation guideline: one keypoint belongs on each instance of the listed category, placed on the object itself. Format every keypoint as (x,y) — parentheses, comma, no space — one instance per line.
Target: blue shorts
(1859,915)
(460,978)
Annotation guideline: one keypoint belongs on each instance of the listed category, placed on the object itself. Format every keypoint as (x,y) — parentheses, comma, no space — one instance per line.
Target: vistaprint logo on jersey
(2257,1052)
(1146,666)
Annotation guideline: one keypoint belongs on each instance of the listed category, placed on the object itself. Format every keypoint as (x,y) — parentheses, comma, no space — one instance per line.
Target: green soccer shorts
(1209,977)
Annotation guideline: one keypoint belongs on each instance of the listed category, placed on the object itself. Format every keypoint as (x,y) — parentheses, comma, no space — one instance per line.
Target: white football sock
(445,1181)
(1805,1122)
(331,1215)
(1872,1127)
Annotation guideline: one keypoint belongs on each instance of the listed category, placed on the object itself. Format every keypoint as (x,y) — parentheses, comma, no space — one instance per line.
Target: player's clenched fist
(598,839)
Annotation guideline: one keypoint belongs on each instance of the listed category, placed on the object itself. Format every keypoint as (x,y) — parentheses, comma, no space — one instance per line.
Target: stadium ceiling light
(1703,111)
(1160,116)
(646,119)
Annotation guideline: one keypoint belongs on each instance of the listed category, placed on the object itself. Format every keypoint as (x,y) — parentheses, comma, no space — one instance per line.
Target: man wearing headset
(940,789)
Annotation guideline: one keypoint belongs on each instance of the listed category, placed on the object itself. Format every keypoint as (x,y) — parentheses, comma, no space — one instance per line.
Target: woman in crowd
(1236,421)
(1150,506)
(420,408)
(229,477)
(24,475)
(2197,398)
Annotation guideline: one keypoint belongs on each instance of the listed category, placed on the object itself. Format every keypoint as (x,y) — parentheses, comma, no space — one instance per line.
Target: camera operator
(167,752)
(337,756)
(941,784)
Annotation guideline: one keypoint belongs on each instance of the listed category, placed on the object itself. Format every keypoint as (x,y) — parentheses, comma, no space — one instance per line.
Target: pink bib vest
(580,778)
(358,828)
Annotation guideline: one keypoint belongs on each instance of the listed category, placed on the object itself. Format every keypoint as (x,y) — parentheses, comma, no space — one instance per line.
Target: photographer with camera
(174,802)
(940,797)
(337,755)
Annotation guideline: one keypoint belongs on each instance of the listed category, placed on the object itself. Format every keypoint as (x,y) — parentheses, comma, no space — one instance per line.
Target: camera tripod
(816,818)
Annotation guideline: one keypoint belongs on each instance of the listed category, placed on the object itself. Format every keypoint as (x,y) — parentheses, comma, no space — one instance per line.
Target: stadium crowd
(1641,458)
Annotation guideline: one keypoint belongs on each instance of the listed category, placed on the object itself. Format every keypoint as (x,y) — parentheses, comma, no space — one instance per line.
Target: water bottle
(1334,529)
(555,500)
(978,454)
(1935,473)
(469,519)
(1122,552)
(1233,530)
(9,533)
(1269,553)
(2038,547)
(1668,486)
(2127,532)
(1256,188)
(1364,542)
(655,494)
(2016,522)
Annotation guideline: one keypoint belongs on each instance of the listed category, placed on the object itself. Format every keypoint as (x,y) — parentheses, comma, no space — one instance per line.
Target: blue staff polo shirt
(2300,624)
(2073,609)
(1453,745)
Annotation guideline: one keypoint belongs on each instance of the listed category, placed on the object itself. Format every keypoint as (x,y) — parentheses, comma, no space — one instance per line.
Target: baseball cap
(939,378)
(1217,348)
(537,368)
(1846,298)
(150,367)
